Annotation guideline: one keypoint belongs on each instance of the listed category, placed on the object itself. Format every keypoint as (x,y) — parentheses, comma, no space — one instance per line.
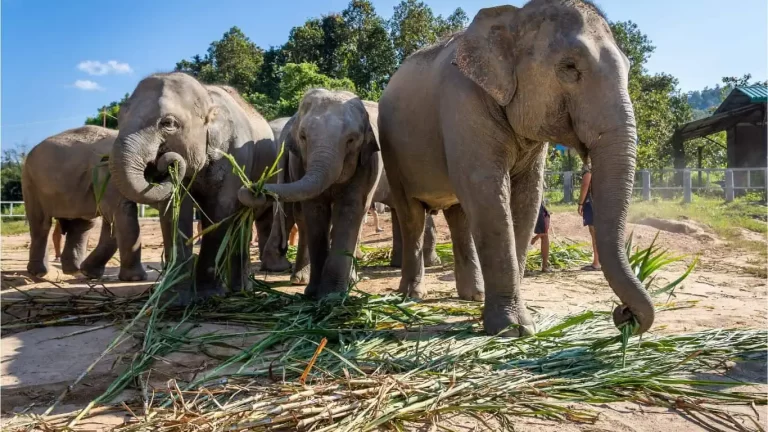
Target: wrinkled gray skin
(333,164)
(57,182)
(174,118)
(383,194)
(464,125)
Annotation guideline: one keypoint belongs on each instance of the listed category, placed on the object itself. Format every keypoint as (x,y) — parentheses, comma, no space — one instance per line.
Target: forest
(358,50)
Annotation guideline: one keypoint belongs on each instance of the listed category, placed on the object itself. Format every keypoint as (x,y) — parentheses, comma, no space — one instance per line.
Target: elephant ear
(287,136)
(370,146)
(218,129)
(485,52)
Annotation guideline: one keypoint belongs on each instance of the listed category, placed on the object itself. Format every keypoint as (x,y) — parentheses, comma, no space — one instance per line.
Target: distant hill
(704,101)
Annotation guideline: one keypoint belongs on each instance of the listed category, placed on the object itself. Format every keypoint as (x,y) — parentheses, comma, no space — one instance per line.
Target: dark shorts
(540,222)
(587,212)
(195,215)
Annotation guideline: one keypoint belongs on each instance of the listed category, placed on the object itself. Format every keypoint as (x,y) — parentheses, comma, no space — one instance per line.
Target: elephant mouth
(152,174)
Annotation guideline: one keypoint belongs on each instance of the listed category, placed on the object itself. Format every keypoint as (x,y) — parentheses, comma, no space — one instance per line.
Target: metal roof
(743,96)
(756,93)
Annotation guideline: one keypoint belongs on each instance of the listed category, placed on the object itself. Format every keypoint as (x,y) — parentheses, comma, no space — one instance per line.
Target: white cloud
(88,85)
(95,67)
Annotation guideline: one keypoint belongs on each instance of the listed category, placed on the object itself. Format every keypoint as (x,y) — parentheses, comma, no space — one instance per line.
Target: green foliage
(10,174)
(413,25)
(113,110)
(298,78)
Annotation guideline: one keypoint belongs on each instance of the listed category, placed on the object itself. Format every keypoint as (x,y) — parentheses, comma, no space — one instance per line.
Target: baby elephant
(61,178)
(333,156)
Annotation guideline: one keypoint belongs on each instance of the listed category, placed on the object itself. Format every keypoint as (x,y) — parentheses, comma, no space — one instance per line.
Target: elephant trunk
(324,167)
(131,154)
(613,170)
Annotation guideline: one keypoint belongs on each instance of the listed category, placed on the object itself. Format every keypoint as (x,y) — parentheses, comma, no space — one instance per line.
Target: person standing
(541,231)
(585,210)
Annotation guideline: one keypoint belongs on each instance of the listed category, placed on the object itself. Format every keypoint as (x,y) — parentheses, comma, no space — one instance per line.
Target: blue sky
(56,65)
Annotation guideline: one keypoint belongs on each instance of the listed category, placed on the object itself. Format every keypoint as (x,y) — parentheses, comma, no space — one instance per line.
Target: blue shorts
(540,222)
(587,213)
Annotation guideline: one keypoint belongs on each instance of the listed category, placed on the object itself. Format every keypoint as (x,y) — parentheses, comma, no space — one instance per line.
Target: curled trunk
(130,157)
(613,168)
(324,167)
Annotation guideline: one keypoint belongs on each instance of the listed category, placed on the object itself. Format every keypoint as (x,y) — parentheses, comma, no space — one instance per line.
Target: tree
(10,174)
(370,55)
(268,79)
(456,21)
(298,78)
(113,111)
(413,25)
(321,41)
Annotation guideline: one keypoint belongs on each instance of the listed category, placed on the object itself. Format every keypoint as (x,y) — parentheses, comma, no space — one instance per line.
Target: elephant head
(169,118)
(331,135)
(559,76)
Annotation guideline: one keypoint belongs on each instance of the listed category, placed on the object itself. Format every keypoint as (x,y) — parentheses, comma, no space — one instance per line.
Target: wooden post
(699,164)
(104,116)
(729,191)
(567,187)
(646,185)
(687,192)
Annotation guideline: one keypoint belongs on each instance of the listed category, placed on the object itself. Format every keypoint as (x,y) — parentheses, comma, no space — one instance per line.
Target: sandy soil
(726,288)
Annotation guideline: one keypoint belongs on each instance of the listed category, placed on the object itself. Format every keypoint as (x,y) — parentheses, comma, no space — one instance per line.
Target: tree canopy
(357,50)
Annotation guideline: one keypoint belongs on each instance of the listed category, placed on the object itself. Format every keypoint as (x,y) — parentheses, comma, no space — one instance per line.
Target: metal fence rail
(664,183)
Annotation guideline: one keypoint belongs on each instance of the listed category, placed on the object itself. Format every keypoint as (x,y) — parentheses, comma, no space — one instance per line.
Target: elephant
(383,195)
(57,181)
(173,118)
(464,127)
(332,169)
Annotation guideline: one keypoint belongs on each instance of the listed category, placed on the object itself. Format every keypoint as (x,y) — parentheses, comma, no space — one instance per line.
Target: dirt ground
(728,288)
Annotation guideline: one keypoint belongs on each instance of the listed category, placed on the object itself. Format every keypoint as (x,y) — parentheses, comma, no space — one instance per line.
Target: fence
(15,209)
(673,183)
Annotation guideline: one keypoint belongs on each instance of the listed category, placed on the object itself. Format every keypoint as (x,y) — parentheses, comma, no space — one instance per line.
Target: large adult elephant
(464,125)
(333,164)
(173,118)
(57,181)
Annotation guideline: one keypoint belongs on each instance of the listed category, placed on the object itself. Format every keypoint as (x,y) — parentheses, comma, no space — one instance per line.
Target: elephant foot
(185,294)
(92,272)
(472,293)
(70,267)
(507,320)
(37,268)
(133,274)
(274,263)
(432,260)
(300,277)
(396,260)
(413,289)
(323,289)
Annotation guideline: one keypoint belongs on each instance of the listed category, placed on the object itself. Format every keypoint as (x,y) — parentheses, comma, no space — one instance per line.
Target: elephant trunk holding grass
(61,179)
(171,118)
(464,125)
(333,166)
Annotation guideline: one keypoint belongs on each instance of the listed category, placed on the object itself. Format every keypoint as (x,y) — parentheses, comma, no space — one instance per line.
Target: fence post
(646,185)
(687,187)
(141,210)
(567,187)
(10,210)
(729,191)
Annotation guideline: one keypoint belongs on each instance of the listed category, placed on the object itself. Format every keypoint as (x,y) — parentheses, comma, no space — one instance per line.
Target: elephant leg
(484,196)
(430,243)
(525,198)
(319,212)
(128,236)
(93,266)
(212,278)
(272,254)
(301,268)
(411,217)
(396,259)
(469,276)
(264,225)
(348,213)
(177,253)
(39,228)
(76,243)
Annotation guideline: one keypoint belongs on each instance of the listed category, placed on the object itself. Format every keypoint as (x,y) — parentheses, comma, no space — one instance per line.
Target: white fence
(15,209)
(672,183)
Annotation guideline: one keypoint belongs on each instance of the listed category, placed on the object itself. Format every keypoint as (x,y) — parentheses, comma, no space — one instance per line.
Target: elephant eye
(169,124)
(567,71)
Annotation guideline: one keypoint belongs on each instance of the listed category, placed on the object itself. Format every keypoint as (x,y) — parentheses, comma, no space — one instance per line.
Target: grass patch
(9,226)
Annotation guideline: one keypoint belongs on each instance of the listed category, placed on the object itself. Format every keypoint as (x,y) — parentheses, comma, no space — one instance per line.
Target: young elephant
(333,157)
(57,182)
(173,118)
(464,125)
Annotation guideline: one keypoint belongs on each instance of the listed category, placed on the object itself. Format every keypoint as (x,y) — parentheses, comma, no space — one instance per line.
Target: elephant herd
(462,127)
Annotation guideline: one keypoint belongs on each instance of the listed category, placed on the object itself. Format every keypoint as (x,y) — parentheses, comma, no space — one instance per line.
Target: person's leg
(292,236)
(199,231)
(544,252)
(588,222)
(254,235)
(376,221)
(595,257)
(57,240)
(533,240)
